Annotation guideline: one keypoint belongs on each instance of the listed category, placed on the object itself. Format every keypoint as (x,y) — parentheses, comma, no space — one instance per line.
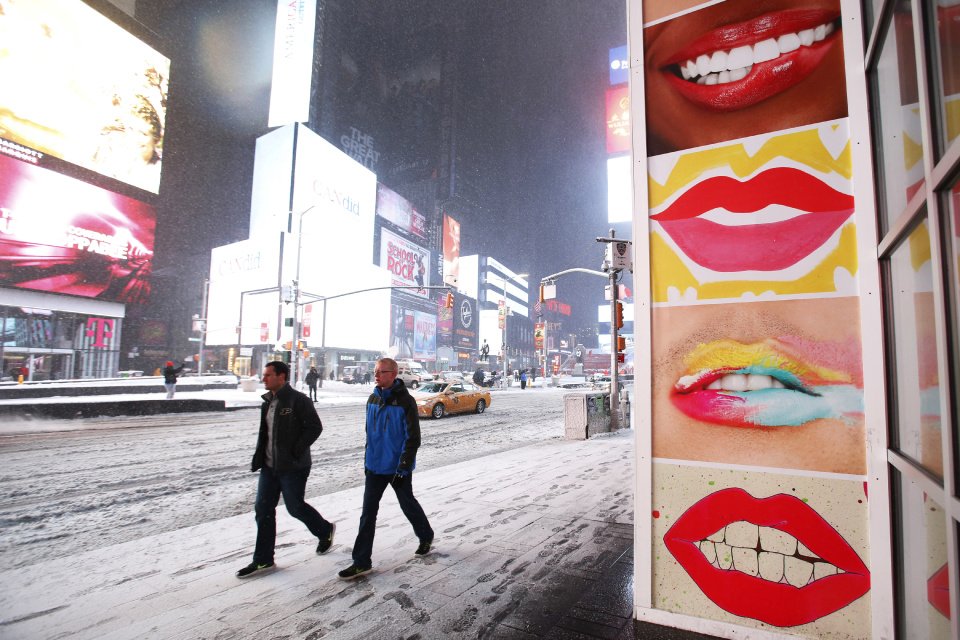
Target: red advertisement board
(618,120)
(451,250)
(61,235)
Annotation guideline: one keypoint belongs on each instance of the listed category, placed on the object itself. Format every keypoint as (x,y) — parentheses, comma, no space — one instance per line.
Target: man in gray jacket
(288,426)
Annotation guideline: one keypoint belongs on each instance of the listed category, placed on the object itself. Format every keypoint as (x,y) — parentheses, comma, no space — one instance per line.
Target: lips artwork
(767,214)
(772,559)
(768,383)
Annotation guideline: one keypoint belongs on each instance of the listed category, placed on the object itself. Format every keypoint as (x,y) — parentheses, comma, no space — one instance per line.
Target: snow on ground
(77,485)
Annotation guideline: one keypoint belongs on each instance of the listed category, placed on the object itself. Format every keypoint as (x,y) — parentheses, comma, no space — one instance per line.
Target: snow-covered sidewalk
(534,542)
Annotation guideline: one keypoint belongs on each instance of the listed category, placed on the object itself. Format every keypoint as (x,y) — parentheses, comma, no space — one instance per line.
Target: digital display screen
(62,235)
(80,88)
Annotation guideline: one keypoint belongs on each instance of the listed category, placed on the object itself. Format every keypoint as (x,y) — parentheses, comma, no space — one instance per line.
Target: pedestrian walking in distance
(170,378)
(393,437)
(288,426)
(312,378)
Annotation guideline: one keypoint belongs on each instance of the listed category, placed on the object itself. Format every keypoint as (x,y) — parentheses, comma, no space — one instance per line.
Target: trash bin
(249,384)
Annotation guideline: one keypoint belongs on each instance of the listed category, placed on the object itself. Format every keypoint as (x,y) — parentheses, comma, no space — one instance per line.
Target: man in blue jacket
(288,426)
(393,437)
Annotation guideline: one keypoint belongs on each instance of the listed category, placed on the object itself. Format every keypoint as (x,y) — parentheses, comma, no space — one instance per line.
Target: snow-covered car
(436,399)
(449,376)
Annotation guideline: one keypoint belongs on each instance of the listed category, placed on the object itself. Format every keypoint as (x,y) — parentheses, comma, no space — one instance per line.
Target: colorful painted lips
(776,588)
(814,211)
(739,65)
(766,384)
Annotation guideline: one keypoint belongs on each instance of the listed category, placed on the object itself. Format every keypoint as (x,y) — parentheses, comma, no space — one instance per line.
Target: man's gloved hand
(401,476)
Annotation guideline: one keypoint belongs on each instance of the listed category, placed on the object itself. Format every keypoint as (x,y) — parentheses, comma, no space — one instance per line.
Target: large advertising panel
(395,208)
(292,62)
(408,263)
(619,65)
(236,268)
(618,120)
(78,87)
(465,323)
(62,235)
(619,189)
(451,250)
(424,336)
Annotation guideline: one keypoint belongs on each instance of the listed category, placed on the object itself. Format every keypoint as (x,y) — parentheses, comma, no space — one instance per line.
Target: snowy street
(104,481)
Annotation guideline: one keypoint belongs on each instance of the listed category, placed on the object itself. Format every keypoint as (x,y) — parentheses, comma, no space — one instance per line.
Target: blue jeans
(292,485)
(372,492)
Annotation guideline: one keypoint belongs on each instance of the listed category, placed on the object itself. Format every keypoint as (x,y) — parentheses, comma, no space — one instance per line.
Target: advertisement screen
(408,263)
(61,235)
(451,250)
(619,65)
(619,190)
(424,336)
(78,87)
(395,208)
(465,322)
(292,62)
(618,120)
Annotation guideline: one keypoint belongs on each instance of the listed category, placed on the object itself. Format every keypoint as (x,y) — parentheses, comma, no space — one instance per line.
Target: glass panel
(895,97)
(923,598)
(947,58)
(951,205)
(916,388)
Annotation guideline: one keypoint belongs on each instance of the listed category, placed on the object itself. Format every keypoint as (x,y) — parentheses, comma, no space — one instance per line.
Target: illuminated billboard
(618,120)
(451,250)
(80,88)
(395,208)
(619,190)
(62,235)
(292,62)
(619,65)
(407,263)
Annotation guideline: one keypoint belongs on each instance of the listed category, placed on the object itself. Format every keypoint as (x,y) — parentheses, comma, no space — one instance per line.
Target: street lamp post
(294,345)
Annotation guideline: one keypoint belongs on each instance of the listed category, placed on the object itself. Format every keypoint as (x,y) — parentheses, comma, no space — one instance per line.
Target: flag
(537,307)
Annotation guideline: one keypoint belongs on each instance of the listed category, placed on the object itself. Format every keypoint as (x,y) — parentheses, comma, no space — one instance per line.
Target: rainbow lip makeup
(765,384)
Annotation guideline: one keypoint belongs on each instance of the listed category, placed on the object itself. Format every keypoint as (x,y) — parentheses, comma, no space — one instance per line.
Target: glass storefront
(39,344)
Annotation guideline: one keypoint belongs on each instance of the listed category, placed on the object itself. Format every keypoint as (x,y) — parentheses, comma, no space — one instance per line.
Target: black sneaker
(253,569)
(424,547)
(353,571)
(326,543)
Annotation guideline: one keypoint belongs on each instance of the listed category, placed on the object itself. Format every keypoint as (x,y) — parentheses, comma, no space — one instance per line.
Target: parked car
(436,399)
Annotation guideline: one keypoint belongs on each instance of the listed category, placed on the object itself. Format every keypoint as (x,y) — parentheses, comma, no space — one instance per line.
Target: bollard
(20,379)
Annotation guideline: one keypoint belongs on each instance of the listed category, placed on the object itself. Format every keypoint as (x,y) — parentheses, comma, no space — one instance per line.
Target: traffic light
(448,303)
(541,293)
(618,314)
(621,344)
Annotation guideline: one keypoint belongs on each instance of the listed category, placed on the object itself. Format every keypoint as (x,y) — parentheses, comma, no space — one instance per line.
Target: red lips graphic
(775,603)
(755,247)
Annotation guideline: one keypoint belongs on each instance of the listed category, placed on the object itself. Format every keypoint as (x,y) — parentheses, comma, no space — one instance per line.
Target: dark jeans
(292,486)
(313,392)
(372,492)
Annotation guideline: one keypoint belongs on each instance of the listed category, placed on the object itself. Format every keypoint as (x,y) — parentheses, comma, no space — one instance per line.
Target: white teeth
(765,50)
(777,541)
(771,566)
(718,62)
(740,57)
(712,69)
(802,550)
(724,557)
(709,551)
(797,572)
(744,381)
(717,536)
(745,561)
(789,42)
(823,569)
(742,534)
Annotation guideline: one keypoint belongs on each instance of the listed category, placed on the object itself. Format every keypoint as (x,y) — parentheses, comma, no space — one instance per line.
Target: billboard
(79,88)
(292,62)
(619,189)
(465,322)
(619,65)
(62,235)
(618,120)
(451,250)
(424,336)
(395,208)
(407,263)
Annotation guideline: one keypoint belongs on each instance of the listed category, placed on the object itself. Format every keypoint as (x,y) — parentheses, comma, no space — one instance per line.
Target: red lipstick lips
(775,603)
(764,79)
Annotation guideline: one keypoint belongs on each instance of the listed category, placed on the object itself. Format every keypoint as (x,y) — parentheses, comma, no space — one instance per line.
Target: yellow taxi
(436,399)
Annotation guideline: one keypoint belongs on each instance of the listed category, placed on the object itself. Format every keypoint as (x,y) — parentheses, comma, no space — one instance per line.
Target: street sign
(619,254)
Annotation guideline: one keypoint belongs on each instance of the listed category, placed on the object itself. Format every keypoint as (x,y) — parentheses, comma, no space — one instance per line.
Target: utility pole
(616,259)
(203,324)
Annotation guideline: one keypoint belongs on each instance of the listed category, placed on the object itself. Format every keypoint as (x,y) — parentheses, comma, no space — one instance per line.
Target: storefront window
(916,387)
(946,57)
(897,123)
(924,599)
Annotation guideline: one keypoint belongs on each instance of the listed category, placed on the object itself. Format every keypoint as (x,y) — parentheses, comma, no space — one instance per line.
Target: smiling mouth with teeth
(732,65)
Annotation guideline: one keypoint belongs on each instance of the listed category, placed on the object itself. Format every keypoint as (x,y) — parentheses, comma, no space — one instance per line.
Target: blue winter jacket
(393,431)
